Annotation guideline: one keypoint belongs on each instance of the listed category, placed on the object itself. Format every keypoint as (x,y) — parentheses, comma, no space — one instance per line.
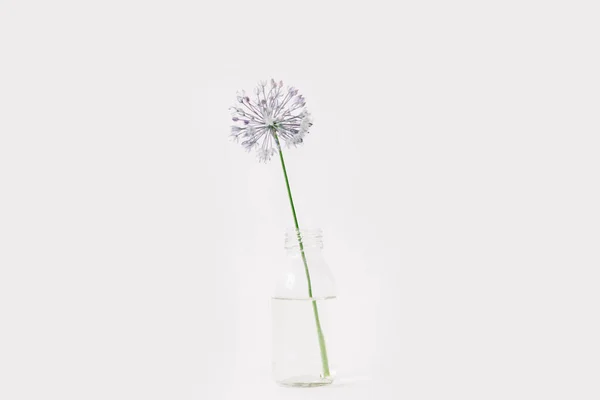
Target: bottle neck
(307,239)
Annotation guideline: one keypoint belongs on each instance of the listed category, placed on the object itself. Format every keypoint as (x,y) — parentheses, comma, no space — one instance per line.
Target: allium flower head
(272,115)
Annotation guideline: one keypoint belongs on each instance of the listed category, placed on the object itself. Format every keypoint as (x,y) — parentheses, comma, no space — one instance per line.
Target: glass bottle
(304,293)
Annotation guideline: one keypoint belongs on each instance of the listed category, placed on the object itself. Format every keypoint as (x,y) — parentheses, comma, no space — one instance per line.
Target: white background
(453,165)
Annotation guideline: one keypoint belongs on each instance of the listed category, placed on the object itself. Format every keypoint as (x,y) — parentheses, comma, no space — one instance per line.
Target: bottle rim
(310,237)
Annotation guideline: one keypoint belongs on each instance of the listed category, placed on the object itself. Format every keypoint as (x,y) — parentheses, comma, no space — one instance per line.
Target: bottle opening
(305,238)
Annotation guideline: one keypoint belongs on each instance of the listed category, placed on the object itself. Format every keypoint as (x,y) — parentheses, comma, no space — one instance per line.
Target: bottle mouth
(305,237)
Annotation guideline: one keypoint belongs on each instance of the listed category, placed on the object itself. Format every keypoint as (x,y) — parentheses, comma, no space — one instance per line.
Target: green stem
(324,359)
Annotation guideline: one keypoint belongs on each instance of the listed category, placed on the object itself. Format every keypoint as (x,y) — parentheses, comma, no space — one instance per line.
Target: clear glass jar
(304,293)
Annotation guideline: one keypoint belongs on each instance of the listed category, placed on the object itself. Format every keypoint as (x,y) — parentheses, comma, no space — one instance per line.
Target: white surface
(453,165)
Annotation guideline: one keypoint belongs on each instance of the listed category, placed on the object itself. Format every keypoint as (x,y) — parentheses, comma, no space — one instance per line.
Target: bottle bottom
(305,381)
(300,344)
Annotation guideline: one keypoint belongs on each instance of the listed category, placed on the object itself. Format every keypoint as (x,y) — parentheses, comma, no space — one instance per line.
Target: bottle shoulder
(304,277)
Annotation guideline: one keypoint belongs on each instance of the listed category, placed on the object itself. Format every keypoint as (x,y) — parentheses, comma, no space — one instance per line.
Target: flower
(274,114)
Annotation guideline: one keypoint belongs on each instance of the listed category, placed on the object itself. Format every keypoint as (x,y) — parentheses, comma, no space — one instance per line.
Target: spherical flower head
(273,115)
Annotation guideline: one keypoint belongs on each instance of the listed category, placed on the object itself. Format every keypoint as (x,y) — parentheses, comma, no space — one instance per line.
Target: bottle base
(305,381)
